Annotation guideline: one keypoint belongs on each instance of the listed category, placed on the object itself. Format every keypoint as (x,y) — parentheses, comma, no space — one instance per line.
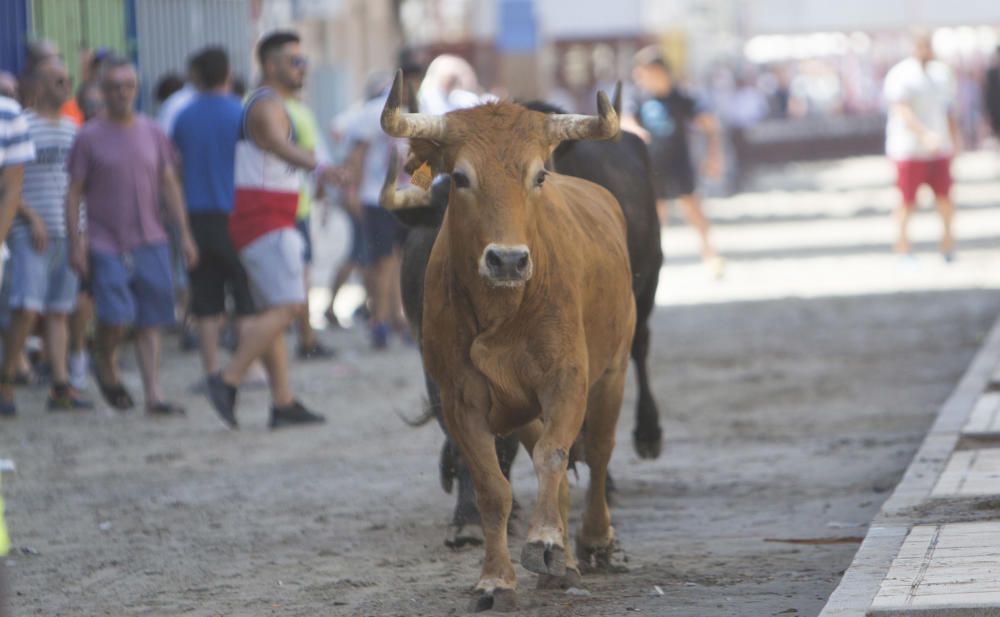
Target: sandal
(114,393)
(65,398)
(7,406)
(163,408)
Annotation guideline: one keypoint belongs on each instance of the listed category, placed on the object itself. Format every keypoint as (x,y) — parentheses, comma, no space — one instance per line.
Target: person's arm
(355,168)
(269,126)
(708,124)
(177,211)
(909,117)
(955,132)
(629,123)
(11,181)
(39,234)
(77,240)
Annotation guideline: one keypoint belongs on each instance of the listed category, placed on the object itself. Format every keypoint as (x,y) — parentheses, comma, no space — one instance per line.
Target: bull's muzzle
(506,266)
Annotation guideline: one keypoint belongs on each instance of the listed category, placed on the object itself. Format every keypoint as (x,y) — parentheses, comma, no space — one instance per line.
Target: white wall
(568,19)
(791,16)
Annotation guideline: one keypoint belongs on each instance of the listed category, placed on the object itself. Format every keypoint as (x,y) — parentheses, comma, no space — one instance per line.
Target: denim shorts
(135,287)
(40,282)
(275,266)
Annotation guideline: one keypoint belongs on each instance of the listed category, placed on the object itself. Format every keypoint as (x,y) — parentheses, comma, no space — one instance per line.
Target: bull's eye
(540,177)
(461,180)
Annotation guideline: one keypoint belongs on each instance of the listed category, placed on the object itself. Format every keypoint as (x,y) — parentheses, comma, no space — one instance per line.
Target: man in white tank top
(268,172)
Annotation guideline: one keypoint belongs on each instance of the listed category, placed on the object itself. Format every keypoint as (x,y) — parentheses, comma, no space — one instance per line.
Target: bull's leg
(563,408)
(497,582)
(596,538)
(465,529)
(529,435)
(647,436)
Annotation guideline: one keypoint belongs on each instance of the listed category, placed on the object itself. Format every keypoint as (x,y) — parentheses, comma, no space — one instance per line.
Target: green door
(76,24)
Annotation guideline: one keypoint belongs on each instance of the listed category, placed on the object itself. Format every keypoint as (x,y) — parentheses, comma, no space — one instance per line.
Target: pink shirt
(121,170)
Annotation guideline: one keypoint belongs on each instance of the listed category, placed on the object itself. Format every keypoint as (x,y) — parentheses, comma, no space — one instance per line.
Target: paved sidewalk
(934,549)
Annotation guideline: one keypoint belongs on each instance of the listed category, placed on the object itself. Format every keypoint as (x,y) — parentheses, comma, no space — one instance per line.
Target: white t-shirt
(173,106)
(366,128)
(930,92)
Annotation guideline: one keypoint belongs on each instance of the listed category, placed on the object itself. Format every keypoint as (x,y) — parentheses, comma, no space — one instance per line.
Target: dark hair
(238,86)
(113,61)
(212,67)
(274,42)
(167,85)
(651,55)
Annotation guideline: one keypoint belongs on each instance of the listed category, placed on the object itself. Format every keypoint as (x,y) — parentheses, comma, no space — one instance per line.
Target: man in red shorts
(922,137)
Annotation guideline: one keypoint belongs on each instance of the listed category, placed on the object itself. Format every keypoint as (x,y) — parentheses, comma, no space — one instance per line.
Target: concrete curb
(903,509)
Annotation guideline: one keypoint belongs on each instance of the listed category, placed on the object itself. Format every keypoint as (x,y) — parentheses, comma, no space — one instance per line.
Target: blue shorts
(40,282)
(307,248)
(383,234)
(359,250)
(133,288)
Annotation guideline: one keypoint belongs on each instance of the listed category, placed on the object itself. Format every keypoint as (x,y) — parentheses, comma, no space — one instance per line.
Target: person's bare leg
(341,277)
(663,211)
(78,323)
(257,337)
(307,338)
(902,217)
(382,282)
(57,341)
(147,352)
(276,364)
(691,209)
(21,324)
(209,331)
(109,338)
(946,208)
(396,294)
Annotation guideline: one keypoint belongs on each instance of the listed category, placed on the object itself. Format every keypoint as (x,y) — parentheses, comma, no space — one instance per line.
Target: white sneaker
(79,367)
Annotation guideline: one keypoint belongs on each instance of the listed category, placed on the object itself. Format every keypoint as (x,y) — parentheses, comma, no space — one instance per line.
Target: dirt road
(786,420)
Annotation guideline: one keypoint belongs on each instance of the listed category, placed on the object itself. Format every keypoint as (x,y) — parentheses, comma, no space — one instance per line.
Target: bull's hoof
(648,443)
(540,558)
(501,600)
(598,559)
(460,536)
(570,579)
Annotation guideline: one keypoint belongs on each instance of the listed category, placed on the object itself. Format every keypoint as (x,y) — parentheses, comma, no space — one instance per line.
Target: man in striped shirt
(16,149)
(40,279)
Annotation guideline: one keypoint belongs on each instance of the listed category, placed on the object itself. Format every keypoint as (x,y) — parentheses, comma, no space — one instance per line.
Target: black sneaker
(223,397)
(316,351)
(294,414)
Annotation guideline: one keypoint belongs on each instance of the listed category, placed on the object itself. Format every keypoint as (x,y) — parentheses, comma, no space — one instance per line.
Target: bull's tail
(428,414)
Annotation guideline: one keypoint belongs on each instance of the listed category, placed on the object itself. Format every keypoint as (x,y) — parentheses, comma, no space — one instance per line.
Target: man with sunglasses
(40,279)
(121,163)
(268,175)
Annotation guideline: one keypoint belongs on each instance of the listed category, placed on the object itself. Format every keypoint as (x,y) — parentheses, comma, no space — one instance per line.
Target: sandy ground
(791,407)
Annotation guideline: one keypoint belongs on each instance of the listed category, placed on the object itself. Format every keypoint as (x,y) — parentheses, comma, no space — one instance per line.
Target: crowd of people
(118,225)
(121,225)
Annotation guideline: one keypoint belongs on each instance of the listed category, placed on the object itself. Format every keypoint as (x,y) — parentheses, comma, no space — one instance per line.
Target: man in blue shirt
(205,134)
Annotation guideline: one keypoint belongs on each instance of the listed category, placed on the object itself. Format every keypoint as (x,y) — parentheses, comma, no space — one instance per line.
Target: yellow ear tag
(422,177)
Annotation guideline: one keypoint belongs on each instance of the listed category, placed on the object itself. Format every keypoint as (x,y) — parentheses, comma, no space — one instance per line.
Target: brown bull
(528,319)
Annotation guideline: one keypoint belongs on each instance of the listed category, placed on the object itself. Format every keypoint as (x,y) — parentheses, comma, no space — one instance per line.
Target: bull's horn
(563,127)
(392,199)
(616,98)
(399,124)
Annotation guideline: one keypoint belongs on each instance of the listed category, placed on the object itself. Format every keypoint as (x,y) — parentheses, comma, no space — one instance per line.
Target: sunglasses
(299,62)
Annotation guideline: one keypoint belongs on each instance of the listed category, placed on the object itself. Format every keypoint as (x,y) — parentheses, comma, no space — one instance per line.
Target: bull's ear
(430,215)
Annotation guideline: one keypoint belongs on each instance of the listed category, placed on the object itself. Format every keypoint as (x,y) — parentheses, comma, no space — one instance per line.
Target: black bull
(623,168)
